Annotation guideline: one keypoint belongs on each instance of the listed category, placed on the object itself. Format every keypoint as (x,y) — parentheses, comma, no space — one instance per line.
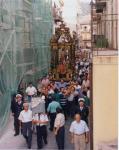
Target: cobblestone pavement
(8,141)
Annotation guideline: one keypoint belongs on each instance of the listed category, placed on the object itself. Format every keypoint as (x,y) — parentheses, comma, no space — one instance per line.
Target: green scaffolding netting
(42,29)
(25,31)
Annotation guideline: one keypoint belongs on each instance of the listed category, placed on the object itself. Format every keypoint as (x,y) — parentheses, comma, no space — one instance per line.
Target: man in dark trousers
(25,118)
(52,112)
(82,110)
(17,107)
(41,121)
(64,103)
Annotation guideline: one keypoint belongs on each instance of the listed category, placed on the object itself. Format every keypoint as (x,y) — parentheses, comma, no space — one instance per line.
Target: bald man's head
(26,106)
(77,117)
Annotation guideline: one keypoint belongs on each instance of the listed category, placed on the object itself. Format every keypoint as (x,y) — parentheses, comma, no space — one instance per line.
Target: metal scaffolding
(24,46)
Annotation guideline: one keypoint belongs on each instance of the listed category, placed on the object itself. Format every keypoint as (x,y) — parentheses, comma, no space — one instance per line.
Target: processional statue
(62,53)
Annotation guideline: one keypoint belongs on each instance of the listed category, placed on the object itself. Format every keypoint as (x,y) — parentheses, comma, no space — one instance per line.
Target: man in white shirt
(79,133)
(41,120)
(25,118)
(30,91)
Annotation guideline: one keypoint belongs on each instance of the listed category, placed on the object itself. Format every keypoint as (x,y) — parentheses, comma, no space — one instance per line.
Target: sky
(70,11)
(85,1)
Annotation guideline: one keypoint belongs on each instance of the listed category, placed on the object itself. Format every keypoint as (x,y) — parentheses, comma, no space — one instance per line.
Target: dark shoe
(29,147)
(50,129)
(16,134)
(45,142)
(40,147)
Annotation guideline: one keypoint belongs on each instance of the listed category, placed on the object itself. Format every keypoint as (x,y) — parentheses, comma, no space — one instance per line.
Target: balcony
(100,6)
(100,41)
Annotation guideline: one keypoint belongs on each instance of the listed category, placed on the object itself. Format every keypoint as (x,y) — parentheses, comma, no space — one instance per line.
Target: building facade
(105,102)
(83,25)
(85,35)
(105,74)
(105,16)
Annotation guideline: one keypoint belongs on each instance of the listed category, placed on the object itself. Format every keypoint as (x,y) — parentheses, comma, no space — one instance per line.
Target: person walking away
(82,109)
(71,102)
(26,119)
(85,83)
(64,103)
(30,91)
(48,100)
(79,133)
(52,112)
(41,121)
(17,107)
(56,95)
(59,129)
(87,100)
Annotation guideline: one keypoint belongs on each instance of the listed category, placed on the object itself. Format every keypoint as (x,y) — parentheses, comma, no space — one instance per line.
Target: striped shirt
(63,100)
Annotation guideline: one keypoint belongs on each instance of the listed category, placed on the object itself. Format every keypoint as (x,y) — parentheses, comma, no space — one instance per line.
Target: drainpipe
(91,81)
(112,24)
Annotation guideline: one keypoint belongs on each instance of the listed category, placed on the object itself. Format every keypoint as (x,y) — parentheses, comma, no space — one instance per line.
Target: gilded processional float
(62,53)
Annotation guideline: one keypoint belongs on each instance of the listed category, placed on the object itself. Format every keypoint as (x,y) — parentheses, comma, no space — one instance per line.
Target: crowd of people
(63,101)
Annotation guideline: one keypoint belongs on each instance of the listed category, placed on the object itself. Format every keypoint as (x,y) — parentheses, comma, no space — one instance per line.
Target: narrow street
(63,77)
(8,141)
(58,74)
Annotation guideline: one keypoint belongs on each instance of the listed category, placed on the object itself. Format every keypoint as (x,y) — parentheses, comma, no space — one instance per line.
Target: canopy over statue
(63,53)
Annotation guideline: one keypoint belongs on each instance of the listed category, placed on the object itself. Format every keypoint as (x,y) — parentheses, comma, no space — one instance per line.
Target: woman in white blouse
(59,128)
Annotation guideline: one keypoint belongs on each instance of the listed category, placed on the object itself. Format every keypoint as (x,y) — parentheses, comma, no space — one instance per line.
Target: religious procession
(58,74)
(50,105)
